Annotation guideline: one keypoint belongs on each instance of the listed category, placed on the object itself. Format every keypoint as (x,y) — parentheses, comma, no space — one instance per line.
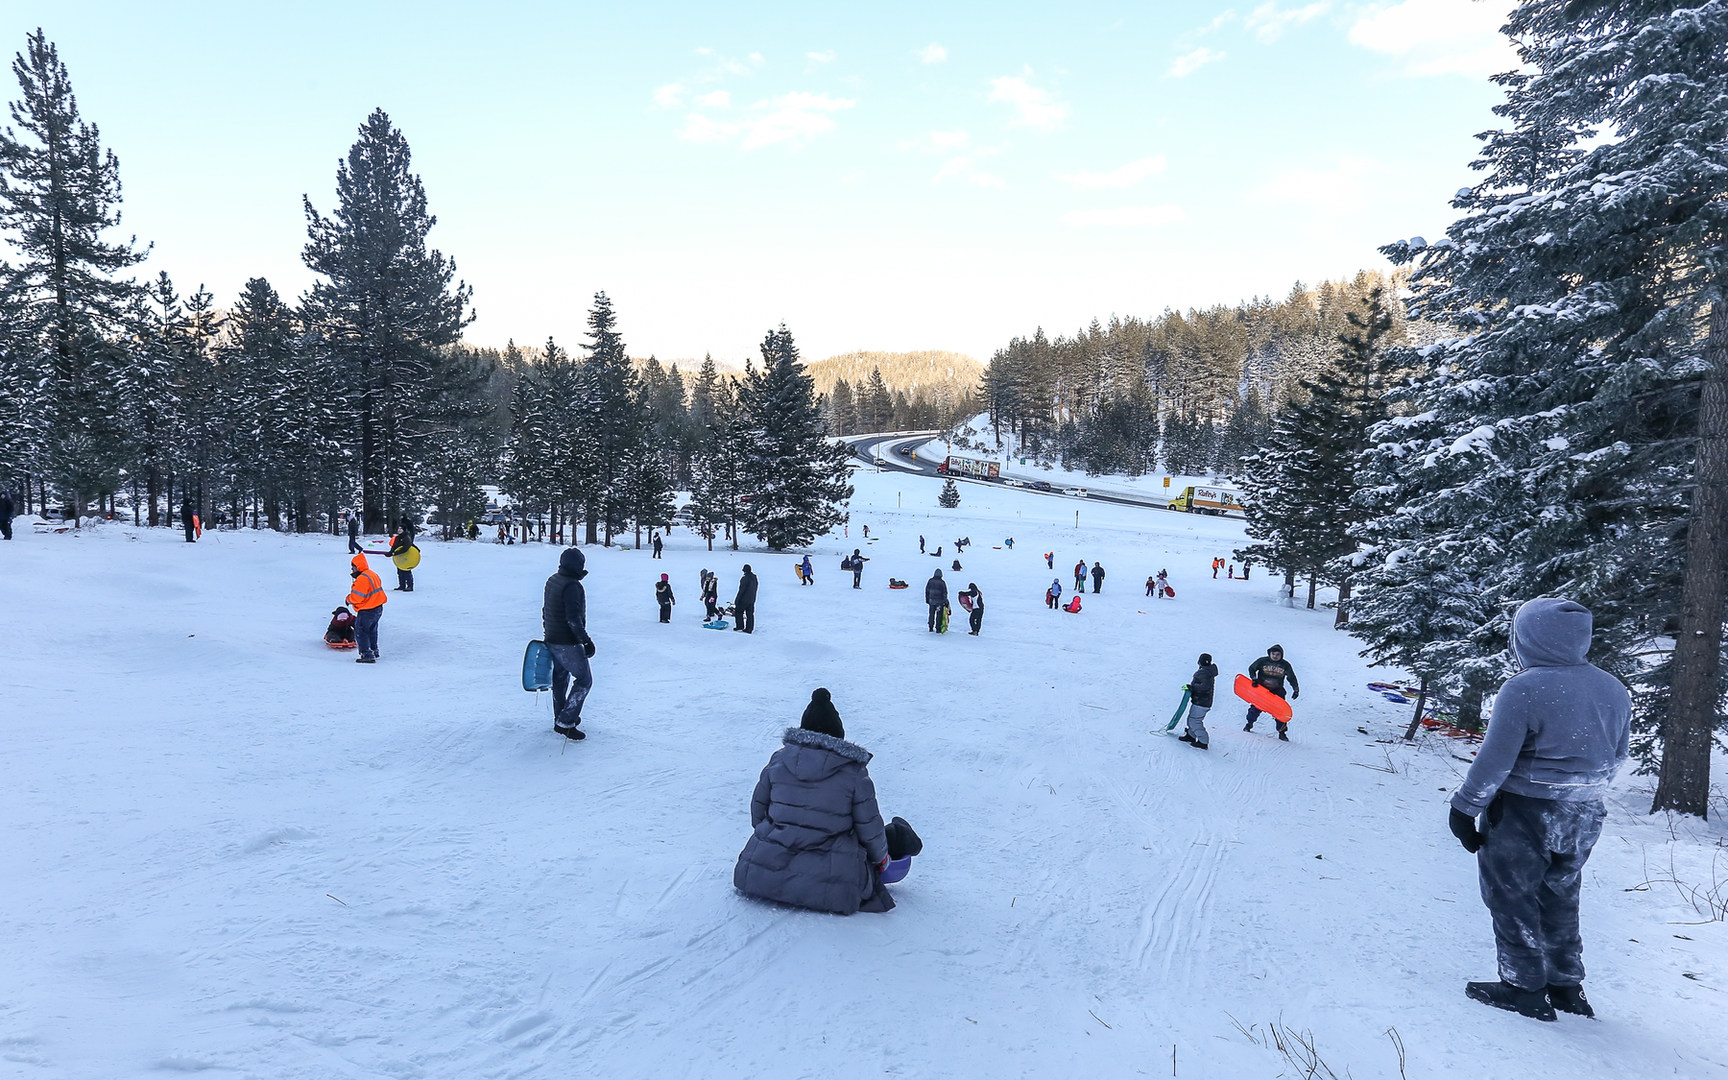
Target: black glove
(588,648)
(1463,826)
(1294,694)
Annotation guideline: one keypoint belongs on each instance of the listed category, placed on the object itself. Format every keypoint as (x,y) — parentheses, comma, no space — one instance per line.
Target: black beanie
(820,716)
(1205,658)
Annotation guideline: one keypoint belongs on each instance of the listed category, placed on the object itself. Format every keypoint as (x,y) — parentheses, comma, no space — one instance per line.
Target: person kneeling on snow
(817,838)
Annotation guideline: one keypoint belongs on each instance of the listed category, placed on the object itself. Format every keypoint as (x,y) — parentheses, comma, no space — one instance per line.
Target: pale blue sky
(885,175)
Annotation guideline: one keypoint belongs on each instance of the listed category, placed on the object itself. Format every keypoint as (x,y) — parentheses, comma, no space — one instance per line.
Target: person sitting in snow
(817,839)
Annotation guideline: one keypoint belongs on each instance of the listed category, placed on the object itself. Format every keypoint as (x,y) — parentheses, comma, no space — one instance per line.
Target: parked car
(1077,492)
(1014,482)
(1042,485)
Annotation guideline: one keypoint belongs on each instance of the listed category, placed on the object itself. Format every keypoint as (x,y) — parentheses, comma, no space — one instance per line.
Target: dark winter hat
(973,585)
(820,716)
(1205,658)
(1274,649)
(571,562)
(746,568)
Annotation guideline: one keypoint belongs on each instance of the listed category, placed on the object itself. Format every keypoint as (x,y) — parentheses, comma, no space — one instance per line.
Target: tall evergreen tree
(797,479)
(386,303)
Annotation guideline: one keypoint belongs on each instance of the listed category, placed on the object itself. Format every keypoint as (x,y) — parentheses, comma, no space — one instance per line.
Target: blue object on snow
(537,667)
(897,870)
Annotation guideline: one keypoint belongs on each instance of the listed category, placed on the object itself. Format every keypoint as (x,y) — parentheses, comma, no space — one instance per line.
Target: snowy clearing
(234,851)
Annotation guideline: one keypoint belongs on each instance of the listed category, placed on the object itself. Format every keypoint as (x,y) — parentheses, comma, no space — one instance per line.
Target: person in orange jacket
(367,599)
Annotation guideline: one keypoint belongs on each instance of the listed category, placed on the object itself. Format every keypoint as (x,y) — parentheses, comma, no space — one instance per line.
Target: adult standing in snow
(936,596)
(1053,595)
(189,521)
(1080,576)
(366,597)
(659,544)
(400,545)
(1097,577)
(1201,686)
(976,619)
(354,533)
(817,839)
(744,604)
(6,514)
(1271,671)
(920,543)
(663,596)
(858,562)
(1558,735)
(564,626)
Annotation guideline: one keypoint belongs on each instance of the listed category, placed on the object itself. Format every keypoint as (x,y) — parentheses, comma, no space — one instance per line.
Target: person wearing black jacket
(564,622)
(6,514)
(187,514)
(935,595)
(399,545)
(976,619)
(1200,688)
(663,596)
(744,604)
(1097,577)
(711,595)
(354,547)
(1270,671)
(858,562)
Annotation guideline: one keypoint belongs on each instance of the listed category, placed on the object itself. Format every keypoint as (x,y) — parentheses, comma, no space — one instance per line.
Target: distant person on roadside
(366,597)
(1245,571)
(564,624)
(1558,735)
(1201,686)
(663,596)
(1217,565)
(936,596)
(1097,577)
(744,604)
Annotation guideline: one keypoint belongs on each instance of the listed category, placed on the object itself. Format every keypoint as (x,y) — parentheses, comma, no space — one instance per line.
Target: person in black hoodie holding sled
(564,621)
(1200,688)
(1270,671)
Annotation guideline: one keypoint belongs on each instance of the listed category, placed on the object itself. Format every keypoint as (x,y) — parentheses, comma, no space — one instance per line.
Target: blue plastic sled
(896,870)
(717,624)
(537,667)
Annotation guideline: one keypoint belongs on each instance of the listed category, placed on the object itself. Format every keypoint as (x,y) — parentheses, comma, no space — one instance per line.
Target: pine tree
(797,479)
(950,496)
(385,302)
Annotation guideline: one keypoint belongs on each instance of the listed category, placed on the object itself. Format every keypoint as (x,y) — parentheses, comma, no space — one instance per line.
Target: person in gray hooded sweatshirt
(1557,736)
(817,839)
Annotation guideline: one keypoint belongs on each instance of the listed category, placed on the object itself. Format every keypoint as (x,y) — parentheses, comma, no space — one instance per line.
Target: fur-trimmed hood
(849,750)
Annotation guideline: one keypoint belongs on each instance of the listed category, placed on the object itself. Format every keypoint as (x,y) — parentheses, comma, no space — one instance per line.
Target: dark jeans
(977,619)
(1255,714)
(857,579)
(6,526)
(665,612)
(354,544)
(746,618)
(712,606)
(934,608)
(404,580)
(1530,867)
(572,678)
(1097,584)
(366,630)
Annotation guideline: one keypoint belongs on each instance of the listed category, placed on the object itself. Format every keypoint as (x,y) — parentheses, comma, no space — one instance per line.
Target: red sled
(966,601)
(1168,591)
(1263,699)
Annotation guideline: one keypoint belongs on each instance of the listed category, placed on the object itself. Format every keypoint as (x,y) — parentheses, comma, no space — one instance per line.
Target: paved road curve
(894,452)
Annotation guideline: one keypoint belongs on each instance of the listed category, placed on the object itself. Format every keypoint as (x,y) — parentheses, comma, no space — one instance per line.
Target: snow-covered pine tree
(68,306)
(607,428)
(949,497)
(720,467)
(385,302)
(797,479)
(460,449)
(1589,382)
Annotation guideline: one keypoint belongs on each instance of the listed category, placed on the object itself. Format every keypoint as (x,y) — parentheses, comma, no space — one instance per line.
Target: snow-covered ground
(233,851)
(1152,486)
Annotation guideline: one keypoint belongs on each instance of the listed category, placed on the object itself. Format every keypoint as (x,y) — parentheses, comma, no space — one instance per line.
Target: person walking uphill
(744,604)
(1270,671)
(663,596)
(354,534)
(1557,736)
(1201,686)
(564,628)
(935,595)
(367,598)
(1097,577)
(858,562)
(816,834)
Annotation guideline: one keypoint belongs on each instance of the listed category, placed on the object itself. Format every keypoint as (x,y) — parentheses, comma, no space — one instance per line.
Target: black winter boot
(1570,999)
(1186,738)
(1503,995)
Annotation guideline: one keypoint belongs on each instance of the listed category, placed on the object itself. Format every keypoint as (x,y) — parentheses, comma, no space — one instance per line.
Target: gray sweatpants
(1197,723)
(1530,866)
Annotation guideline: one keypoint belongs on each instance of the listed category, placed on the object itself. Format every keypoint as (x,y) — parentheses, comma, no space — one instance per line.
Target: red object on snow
(1073,606)
(1263,699)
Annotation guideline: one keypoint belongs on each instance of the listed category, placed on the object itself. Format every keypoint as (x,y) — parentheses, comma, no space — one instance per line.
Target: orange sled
(1263,699)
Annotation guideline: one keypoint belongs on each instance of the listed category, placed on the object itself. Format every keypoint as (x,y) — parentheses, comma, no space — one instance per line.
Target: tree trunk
(1342,622)
(593,531)
(1313,587)
(1416,717)
(1684,780)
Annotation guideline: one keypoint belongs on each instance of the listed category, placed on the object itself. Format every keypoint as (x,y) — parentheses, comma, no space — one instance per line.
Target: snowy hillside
(235,852)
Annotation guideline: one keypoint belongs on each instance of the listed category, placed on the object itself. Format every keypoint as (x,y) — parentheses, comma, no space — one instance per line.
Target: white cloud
(1190,62)
(756,59)
(1124,217)
(1033,106)
(669,96)
(787,118)
(1126,176)
(965,167)
(933,53)
(717,99)
(1269,22)
(823,57)
(1339,189)
(1439,37)
(949,140)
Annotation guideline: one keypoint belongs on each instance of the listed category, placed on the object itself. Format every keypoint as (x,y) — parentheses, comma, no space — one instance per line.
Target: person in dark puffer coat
(818,840)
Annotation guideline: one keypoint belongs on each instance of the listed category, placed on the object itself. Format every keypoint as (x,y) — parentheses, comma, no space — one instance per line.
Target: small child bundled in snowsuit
(663,596)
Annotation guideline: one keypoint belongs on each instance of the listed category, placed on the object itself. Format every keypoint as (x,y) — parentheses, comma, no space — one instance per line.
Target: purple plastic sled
(897,870)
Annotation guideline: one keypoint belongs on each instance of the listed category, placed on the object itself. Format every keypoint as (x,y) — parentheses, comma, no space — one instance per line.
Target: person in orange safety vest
(367,598)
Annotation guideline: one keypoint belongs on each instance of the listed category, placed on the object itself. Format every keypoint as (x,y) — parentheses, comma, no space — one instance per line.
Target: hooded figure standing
(1558,735)
(663,596)
(817,839)
(976,619)
(1097,577)
(1201,686)
(858,562)
(400,545)
(936,595)
(354,534)
(744,604)
(564,623)
(367,599)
